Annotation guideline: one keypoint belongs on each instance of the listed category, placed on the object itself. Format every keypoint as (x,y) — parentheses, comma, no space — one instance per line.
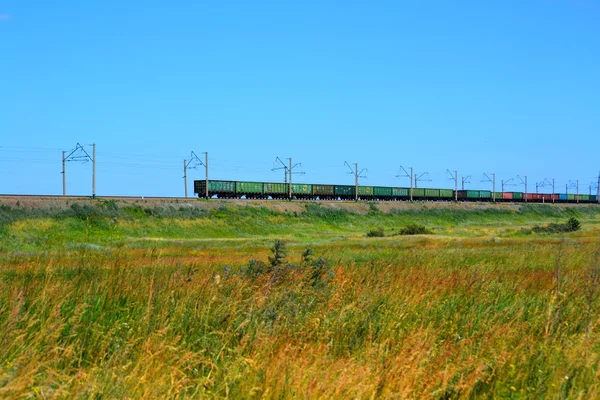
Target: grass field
(99,300)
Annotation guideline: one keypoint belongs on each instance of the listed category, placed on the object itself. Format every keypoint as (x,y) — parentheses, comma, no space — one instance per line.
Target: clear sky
(510,87)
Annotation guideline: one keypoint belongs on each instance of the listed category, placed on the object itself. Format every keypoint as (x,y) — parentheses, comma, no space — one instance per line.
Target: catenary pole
(356,181)
(455,185)
(290,187)
(64,174)
(94,170)
(185,178)
(412,174)
(206,169)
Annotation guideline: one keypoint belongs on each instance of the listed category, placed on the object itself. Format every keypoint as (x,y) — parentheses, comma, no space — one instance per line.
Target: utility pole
(283,167)
(64,174)
(455,177)
(356,176)
(287,170)
(185,177)
(553,192)
(194,163)
(486,178)
(79,155)
(598,194)
(94,170)
(206,172)
(577,195)
(407,175)
(412,184)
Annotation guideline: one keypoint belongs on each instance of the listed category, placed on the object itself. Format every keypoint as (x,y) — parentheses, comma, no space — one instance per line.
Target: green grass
(115,303)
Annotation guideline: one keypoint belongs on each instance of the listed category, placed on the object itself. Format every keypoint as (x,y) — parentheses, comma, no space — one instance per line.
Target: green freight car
(400,193)
(277,190)
(251,190)
(223,189)
(365,191)
(432,193)
(474,195)
(382,192)
(344,191)
(323,191)
(302,190)
(418,192)
(446,193)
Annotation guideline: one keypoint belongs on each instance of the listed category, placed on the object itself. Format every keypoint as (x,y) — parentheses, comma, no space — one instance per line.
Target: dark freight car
(223,189)
(323,191)
(344,191)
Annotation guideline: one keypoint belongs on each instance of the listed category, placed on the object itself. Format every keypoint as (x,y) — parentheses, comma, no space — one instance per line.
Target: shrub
(377,232)
(571,225)
(414,229)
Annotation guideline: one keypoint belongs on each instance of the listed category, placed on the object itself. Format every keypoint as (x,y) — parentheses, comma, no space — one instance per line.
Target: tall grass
(438,323)
(442,316)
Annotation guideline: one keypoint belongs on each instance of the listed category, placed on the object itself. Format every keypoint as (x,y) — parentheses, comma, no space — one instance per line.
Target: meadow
(100,300)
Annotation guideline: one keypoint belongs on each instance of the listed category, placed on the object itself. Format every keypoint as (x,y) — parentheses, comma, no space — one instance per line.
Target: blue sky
(506,87)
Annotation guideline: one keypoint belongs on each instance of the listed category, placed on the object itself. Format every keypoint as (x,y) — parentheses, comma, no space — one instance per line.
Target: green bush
(571,225)
(414,229)
(377,232)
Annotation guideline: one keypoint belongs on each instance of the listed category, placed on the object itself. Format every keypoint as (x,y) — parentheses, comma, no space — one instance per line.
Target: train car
(446,194)
(400,193)
(508,196)
(344,192)
(302,191)
(418,193)
(475,195)
(251,190)
(585,198)
(277,190)
(221,189)
(468,195)
(365,192)
(323,192)
(382,193)
(432,194)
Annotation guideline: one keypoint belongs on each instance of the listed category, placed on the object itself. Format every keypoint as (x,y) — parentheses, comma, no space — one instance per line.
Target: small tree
(573,224)
(279,254)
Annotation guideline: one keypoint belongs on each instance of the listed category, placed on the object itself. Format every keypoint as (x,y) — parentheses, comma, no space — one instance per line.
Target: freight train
(307,191)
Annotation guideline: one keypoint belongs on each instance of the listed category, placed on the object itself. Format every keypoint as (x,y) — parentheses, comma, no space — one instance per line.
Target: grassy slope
(90,308)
